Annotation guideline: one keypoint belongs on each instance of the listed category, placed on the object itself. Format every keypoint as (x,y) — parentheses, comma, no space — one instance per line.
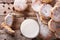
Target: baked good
(45,33)
(45,10)
(29,28)
(55,13)
(20,5)
(7,28)
(9,20)
(36,6)
(53,26)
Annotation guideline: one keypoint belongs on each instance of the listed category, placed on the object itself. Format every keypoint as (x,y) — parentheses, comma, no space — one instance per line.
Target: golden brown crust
(44,16)
(45,21)
(54,26)
(7,28)
(51,25)
(46,1)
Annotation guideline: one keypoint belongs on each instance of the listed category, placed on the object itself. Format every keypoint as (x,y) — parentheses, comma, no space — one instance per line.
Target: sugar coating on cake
(44,30)
(36,6)
(55,15)
(9,20)
(46,10)
(21,4)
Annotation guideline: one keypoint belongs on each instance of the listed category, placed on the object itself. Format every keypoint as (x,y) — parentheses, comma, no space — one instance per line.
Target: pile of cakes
(48,25)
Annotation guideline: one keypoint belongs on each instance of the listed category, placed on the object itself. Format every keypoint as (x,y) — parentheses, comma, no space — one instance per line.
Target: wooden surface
(6,1)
